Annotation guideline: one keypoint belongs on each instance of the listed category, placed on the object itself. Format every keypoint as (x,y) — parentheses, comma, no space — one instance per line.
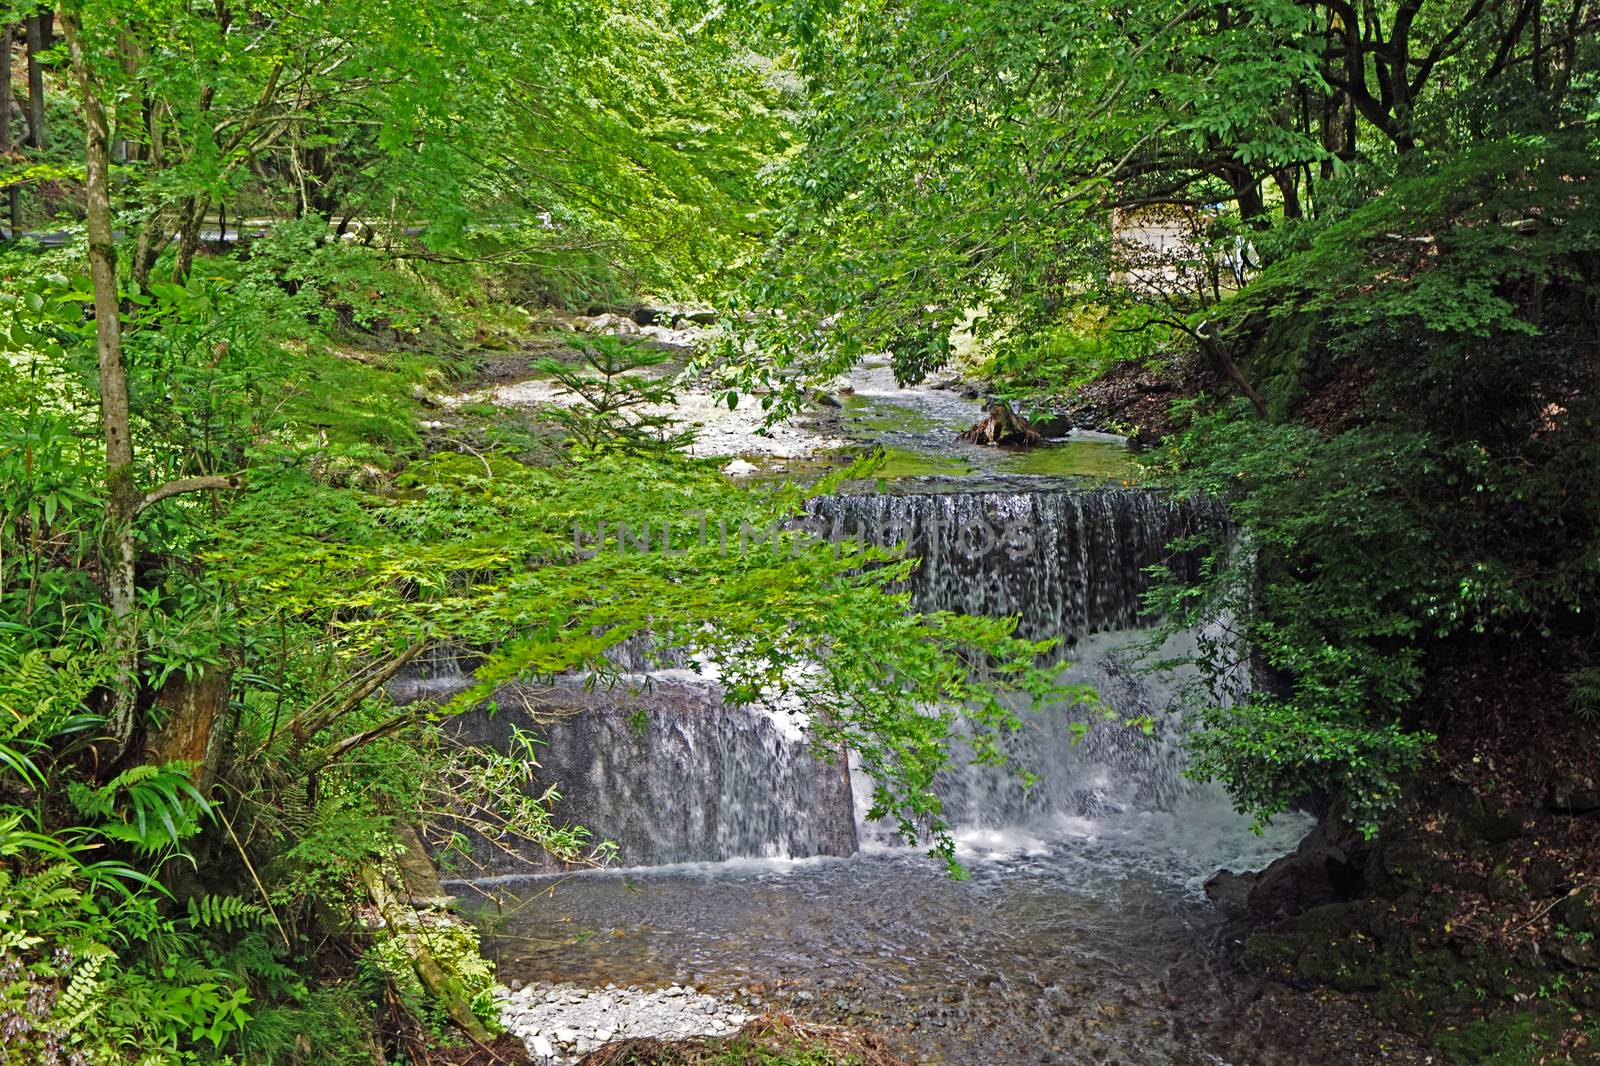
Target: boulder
(1328,867)
(1573,792)
(1579,911)
(1230,892)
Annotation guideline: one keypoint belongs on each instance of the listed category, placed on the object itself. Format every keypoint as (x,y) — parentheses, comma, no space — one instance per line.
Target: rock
(607,323)
(1579,912)
(1336,950)
(739,467)
(823,399)
(1328,867)
(1505,886)
(1230,892)
(1544,876)
(1051,425)
(424,397)
(702,318)
(572,1021)
(1002,426)
(1498,827)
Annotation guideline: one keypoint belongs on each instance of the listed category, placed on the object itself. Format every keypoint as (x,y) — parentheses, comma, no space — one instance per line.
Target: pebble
(561,1023)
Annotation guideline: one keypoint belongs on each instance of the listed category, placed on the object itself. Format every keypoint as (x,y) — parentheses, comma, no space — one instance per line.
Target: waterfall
(1068,563)
(659,765)
(1071,565)
(662,767)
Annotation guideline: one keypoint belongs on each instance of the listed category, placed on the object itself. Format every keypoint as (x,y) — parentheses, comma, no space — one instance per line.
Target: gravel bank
(560,1023)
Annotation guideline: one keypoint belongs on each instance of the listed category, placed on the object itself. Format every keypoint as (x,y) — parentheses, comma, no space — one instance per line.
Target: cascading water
(1068,562)
(1081,936)
(1072,565)
(658,765)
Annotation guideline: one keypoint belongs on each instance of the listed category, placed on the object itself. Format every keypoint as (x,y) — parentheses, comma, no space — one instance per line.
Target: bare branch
(214,483)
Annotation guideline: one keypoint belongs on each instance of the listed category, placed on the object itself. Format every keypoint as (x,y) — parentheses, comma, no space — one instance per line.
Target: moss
(1515,1039)
(1272,952)
(1288,362)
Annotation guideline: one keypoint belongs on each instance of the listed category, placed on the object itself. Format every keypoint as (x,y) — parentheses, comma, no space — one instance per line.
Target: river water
(1080,934)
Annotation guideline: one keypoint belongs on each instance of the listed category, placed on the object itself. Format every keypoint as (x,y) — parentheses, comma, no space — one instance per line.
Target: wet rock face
(1402,920)
(1328,867)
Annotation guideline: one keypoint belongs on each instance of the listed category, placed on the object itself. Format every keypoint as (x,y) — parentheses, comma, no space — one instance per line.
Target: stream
(1081,934)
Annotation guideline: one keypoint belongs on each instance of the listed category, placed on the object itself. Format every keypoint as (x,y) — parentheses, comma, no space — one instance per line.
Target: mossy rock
(1272,953)
(1580,912)
(1337,949)
(1522,1038)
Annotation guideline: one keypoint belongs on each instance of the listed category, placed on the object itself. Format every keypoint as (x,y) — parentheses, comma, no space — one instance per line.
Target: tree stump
(1000,425)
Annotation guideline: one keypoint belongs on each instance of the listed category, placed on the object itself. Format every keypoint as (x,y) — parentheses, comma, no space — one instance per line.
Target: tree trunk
(191,216)
(405,926)
(122,494)
(13,194)
(1289,185)
(152,236)
(1220,356)
(191,730)
(38,33)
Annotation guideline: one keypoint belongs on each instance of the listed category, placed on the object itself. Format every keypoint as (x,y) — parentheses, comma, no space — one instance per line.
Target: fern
(1585,693)
(225,913)
(41,693)
(81,999)
(149,807)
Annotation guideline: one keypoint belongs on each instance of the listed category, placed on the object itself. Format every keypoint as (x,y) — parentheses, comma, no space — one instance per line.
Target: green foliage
(615,407)
(225,913)
(1459,497)
(1585,696)
(1332,587)
(152,808)
(454,946)
(1077,348)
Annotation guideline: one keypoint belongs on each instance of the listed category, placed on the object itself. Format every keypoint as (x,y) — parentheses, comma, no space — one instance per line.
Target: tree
(124,498)
(974,157)
(13,194)
(38,33)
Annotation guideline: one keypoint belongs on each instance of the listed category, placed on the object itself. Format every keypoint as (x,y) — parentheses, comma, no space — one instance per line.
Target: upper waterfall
(1068,562)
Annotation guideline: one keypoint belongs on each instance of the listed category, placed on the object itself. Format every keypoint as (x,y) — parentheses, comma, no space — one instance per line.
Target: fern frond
(225,913)
(80,1001)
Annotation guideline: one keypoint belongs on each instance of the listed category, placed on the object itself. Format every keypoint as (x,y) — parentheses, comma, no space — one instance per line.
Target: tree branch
(212,483)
